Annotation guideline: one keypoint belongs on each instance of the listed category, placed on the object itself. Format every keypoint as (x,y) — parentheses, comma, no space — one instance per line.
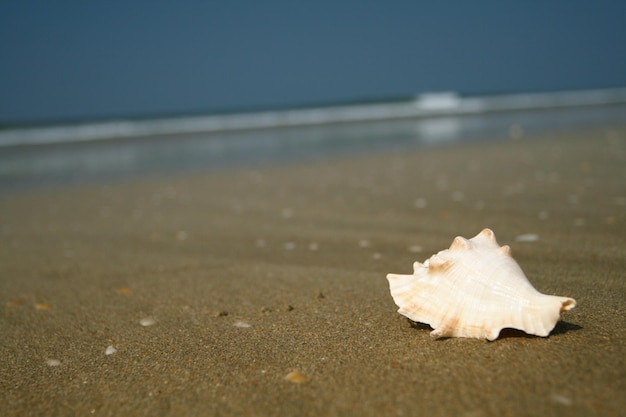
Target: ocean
(119,149)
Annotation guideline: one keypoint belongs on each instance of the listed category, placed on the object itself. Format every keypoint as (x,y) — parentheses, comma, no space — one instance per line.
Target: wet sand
(248,275)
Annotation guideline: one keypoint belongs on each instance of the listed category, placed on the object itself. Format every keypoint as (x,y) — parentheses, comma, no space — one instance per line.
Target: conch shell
(475,289)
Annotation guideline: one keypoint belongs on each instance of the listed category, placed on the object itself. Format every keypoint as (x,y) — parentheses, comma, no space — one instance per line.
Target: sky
(74,60)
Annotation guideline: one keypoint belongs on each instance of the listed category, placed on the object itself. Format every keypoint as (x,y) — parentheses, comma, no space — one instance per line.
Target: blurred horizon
(76,61)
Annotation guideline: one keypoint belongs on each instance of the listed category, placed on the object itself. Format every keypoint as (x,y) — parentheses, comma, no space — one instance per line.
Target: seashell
(475,289)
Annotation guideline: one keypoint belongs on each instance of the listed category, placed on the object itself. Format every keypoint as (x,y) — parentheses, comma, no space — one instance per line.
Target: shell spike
(505,250)
(460,243)
(439,334)
(567,304)
(488,233)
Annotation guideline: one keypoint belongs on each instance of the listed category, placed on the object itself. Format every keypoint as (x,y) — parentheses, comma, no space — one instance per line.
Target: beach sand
(212,288)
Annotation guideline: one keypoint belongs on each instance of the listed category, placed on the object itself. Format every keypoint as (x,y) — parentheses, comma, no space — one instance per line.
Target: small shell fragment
(242,324)
(110,350)
(296,377)
(562,400)
(53,362)
(528,237)
(147,321)
(421,203)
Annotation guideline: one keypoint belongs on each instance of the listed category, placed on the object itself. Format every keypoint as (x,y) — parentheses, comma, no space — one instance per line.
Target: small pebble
(147,321)
(53,362)
(42,306)
(286,213)
(528,237)
(479,205)
(573,199)
(241,324)
(296,377)
(364,243)
(562,399)
(442,184)
(458,196)
(421,203)
(415,249)
(516,131)
(110,350)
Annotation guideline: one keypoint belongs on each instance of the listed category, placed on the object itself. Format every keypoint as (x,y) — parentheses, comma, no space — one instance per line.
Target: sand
(197,295)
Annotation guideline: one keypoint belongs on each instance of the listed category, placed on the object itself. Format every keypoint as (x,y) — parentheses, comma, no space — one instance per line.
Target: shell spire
(475,289)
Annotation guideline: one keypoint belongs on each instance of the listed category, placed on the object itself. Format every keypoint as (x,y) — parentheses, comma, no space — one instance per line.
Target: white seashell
(475,289)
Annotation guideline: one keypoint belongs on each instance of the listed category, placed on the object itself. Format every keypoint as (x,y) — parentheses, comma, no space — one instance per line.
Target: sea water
(95,152)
